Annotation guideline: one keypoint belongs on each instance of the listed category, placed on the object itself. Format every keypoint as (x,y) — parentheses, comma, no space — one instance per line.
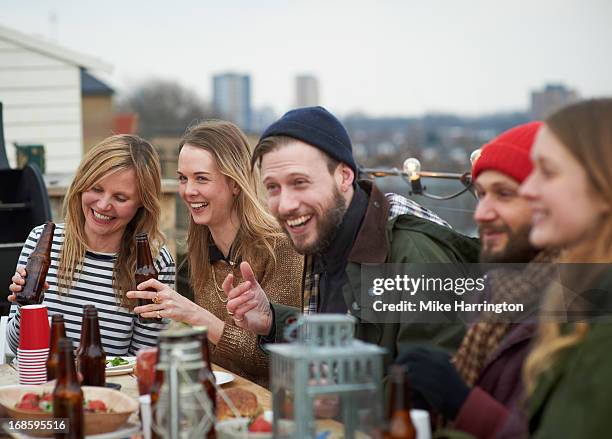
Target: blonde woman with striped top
(114,195)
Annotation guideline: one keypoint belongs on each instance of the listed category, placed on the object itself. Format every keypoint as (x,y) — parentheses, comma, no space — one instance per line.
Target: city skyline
(386,58)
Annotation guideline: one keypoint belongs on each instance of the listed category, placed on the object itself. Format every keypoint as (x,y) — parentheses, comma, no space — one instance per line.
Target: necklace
(217,288)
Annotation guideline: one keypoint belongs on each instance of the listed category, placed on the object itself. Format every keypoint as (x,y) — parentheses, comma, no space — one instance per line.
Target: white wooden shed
(40,88)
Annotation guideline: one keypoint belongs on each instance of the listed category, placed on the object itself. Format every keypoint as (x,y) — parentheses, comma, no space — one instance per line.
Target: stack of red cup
(33,344)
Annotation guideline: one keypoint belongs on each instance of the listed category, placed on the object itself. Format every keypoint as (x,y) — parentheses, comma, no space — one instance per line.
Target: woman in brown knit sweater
(228,224)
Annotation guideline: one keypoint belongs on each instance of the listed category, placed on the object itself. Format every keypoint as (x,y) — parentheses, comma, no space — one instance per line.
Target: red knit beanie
(509,152)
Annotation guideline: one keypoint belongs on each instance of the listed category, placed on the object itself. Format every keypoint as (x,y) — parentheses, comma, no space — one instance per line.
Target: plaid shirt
(399,205)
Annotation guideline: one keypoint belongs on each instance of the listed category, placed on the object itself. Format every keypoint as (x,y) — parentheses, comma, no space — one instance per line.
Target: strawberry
(95,405)
(260,425)
(28,405)
(30,397)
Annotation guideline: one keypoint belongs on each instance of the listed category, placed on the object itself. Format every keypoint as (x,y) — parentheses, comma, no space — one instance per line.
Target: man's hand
(247,302)
(434,378)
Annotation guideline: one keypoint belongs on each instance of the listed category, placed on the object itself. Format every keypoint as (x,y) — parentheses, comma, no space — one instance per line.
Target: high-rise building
(306,91)
(262,118)
(232,98)
(551,98)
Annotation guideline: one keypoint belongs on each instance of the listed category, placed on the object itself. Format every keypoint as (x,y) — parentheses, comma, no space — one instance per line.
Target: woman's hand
(167,303)
(18,280)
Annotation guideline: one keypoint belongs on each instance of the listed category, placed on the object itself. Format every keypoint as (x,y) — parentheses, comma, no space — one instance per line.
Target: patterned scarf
(483,338)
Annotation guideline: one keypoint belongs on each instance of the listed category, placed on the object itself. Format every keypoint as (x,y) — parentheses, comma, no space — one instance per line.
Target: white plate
(223,377)
(121,369)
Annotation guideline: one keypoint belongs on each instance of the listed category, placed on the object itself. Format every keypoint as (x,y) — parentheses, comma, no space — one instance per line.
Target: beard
(329,221)
(517,250)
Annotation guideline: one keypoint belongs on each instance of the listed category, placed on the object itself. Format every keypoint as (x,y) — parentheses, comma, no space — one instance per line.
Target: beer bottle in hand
(145,269)
(58,331)
(207,378)
(92,359)
(399,423)
(37,268)
(67,394)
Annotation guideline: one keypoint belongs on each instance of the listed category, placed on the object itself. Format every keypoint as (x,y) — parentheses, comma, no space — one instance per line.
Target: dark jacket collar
(214,254)
(338,250)
(371,246)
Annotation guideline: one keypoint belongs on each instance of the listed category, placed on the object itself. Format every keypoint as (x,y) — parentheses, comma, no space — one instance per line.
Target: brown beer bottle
(58,331)
(37,268)
(145,270)
(67,394)
(92,359)
(81,342)
(207,378)
(399,423)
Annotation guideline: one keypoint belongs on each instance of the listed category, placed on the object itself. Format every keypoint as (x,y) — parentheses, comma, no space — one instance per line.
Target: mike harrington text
(437,306)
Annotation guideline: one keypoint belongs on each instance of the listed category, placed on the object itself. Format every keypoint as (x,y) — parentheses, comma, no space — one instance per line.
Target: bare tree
(164,107)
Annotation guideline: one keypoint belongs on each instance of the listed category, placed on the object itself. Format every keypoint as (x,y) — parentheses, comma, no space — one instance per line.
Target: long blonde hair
(258,230)
(585,129)
(116,153)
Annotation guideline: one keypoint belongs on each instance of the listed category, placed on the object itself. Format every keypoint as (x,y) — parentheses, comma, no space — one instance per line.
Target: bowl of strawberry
(104,409)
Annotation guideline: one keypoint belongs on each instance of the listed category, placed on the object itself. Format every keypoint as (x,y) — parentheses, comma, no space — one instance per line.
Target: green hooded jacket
(401,239)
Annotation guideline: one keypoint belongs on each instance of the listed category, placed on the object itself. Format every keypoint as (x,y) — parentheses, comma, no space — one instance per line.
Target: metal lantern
(325,380)
(183,409)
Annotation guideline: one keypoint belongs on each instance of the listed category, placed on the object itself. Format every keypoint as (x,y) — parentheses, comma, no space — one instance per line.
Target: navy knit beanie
(317,127)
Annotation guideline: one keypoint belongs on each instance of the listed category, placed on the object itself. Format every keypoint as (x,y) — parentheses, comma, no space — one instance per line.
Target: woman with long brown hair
(114,195)
(569,371)
(228,224)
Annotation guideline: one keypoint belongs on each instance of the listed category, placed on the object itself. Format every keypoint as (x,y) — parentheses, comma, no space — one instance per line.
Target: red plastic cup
(34,328)
(146,358)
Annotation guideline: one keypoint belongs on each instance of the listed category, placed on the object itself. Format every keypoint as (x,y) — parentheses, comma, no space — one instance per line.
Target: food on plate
(117,361)
(260,425)
(44,403)
(37,403)
(243,400)
(95,406)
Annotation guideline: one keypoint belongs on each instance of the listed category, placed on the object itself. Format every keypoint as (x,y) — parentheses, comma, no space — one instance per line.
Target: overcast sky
(385,57)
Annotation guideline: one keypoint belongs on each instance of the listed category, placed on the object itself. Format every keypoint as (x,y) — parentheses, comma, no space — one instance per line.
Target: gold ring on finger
(156,299)
(159,316)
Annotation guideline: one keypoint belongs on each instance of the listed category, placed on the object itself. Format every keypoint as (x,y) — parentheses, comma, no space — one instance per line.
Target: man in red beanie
(504,218)
(481,389)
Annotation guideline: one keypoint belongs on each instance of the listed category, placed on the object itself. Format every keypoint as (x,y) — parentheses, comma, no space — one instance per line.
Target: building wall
(550,99)
(306,91)
(232,98)
(97,119)
(42,104)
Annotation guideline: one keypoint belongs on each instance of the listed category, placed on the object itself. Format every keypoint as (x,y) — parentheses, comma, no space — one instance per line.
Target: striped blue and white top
(120,330)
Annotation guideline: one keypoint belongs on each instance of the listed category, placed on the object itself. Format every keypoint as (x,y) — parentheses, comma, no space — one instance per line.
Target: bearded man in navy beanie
(309,173)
